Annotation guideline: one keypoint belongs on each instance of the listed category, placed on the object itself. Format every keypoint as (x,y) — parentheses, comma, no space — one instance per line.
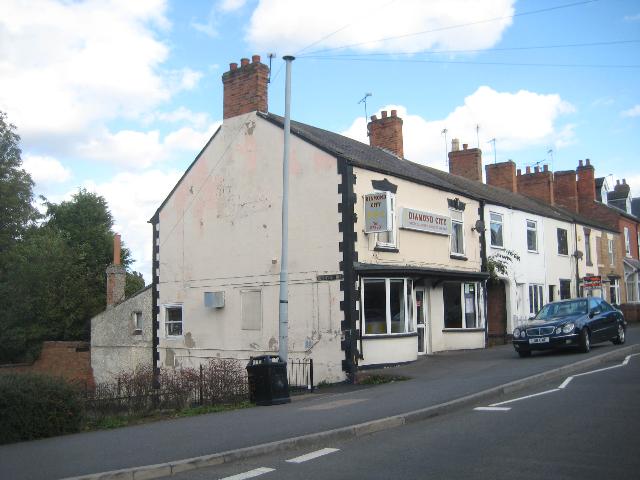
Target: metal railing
(300,376)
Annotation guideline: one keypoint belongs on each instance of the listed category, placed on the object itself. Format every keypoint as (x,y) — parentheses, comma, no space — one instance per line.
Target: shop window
(536,298)
(497,227)
(563,245)
(173,320)
(387,306)
(457,232)
(532,236)
(460,305)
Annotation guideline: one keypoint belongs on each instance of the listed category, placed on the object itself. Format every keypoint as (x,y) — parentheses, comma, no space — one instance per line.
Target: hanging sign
(425,222)
(593,281)
(377,212)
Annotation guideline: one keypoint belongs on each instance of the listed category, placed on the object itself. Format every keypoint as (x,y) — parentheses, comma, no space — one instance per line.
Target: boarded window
(251,306)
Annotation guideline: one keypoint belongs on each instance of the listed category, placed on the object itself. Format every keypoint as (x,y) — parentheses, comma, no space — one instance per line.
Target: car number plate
(539,340)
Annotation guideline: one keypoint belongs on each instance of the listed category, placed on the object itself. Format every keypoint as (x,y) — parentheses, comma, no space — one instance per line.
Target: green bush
(37,406)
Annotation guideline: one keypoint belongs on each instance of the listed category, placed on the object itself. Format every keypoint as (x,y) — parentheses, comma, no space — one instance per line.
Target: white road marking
(524,398)
(493,409)
(250,474)
(312,455)
(566,382)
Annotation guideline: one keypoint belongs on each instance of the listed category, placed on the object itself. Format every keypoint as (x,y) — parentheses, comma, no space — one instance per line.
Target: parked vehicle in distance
(574,323)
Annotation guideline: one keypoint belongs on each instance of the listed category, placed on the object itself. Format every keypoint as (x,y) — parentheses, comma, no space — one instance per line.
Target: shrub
(37,406)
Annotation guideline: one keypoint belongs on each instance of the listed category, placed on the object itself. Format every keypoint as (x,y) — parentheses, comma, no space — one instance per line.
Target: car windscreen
(563,309)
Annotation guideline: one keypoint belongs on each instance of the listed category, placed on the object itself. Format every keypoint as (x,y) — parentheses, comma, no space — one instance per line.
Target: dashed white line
(250,474)
(492,409)
(312,455)
(565,383)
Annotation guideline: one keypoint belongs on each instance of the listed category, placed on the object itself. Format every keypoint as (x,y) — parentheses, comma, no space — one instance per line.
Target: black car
(570,323)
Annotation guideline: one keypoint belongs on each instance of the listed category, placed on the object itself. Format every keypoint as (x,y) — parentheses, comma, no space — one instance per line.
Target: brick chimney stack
(502,175)
(586,186)
(466,162)
(537,184)
(566,190)
(116,276)
(386,132)
(245,88)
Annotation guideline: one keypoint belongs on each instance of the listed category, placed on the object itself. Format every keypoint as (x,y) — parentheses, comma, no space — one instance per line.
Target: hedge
(37,406)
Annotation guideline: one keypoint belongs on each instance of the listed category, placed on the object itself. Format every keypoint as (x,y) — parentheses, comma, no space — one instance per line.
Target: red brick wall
(502,175)
(245,88)
(466,163)
(69,360)
(386,132)
(586,183)
(566,190)
(537,184)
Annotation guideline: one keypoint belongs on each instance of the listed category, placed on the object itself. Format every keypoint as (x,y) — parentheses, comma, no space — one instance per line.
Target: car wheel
(619,340)
(524,353)
(585,341)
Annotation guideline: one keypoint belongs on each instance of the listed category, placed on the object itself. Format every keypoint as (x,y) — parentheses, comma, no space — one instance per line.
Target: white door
(421,321)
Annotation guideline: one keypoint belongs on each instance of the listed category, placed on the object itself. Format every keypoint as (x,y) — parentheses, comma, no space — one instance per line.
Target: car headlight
(516,333)
(523,333)
(568,328)
(558,330)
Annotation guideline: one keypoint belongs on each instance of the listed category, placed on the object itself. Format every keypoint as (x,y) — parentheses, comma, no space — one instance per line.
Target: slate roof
(382,161)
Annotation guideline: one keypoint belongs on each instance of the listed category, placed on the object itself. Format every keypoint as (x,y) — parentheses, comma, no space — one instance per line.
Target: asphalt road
(589,429)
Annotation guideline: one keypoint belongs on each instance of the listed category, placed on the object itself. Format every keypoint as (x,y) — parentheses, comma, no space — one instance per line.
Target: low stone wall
(69,360)
(631,311)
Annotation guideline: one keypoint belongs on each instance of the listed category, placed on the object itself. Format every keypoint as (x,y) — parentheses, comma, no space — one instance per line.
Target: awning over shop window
(376,270)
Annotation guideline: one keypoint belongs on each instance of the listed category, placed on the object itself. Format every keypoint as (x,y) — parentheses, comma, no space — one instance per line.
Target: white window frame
(394,226)
(479,321)
(461,223)
(533,289)
(533,229)
(612,252)
(500,222)
(137,326)
(627,242)
(614,287)
(166,307)
(566,236)
(409,310)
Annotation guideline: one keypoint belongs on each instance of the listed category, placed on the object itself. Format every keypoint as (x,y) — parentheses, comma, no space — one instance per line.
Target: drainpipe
(483,267)
(575,255)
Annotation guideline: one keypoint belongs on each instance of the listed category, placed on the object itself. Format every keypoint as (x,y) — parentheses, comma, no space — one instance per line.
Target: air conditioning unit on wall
(214,299)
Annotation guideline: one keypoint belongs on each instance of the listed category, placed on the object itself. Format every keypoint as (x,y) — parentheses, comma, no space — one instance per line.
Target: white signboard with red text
(377,212)
(425,222)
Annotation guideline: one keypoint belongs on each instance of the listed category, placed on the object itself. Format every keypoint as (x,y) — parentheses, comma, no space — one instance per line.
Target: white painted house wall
(220,230)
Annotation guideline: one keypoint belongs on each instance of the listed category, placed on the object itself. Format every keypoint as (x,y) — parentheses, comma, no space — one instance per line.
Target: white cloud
(499,114)
(138,150)
(66,67)
(182,114)
(45,170)
(146,190)
(290,25)
(632,112)
(231,5)
(632,18)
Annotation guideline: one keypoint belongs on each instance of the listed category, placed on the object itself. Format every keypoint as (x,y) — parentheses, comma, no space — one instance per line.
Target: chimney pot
(245,93)
(394,113)
(244,62)
(618,182)
(255,59)
(384,114)
(465,146)
(588,161)
(386,133)
(536,169)
(233,66)
(528,169)
(545,168)
(519,171)
(373,118)
(455,144)
(580,163)
(116,249)
(624,181)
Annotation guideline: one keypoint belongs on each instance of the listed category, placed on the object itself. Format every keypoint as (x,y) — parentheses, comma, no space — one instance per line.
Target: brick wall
(69,360)
(502,175)
(386,132)
(565,190)
(537,184)
(245,87)
(586,183)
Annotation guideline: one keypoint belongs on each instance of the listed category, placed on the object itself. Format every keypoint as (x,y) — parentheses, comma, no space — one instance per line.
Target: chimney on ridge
(502,175)
(586,186)
(565,189)
(386,132)
(245,88)
(116,276)
(466,162)
(537,184)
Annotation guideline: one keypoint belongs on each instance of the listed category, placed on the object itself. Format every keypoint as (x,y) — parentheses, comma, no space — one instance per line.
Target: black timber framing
(155,309)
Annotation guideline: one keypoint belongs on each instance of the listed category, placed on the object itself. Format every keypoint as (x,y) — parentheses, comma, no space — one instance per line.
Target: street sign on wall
(592,281)
(377,212)
(425,222)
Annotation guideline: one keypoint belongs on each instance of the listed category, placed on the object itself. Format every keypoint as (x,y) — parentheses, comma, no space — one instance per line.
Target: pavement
(438,384)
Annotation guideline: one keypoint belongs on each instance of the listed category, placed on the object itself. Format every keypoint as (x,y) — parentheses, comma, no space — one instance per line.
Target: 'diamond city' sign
(377,212)
(424,222)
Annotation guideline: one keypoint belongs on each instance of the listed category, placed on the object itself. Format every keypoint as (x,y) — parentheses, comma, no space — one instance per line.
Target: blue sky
(119,96)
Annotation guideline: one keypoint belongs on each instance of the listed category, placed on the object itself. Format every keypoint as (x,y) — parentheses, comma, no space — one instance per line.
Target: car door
(597,321)
(611,320)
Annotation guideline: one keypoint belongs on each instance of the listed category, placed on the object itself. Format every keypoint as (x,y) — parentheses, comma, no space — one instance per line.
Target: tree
(498,263)
(16,190)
